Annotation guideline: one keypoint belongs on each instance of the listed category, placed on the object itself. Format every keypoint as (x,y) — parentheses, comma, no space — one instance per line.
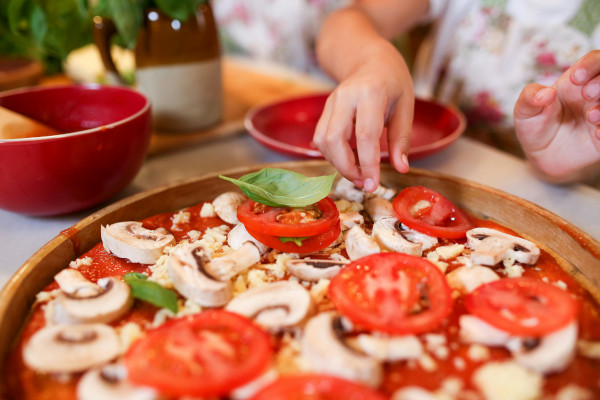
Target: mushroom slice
(226,267)
(132,241)
(390,348)
(344,189)
(476,330)
(350,219)
(550,353)
(110,301)
(491,247)
(411,235)
(187,269)
(466,279)
(71,348)
(238,235)
(110,382)
(313,270)
(275,306)
(389,237)
(359,244)
(325,350)
(73,283)
(226,205)
(378,207)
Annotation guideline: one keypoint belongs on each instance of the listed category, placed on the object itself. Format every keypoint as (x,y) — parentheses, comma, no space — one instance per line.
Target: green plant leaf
(297,240)
(282,188)
(151,292)
(178,9)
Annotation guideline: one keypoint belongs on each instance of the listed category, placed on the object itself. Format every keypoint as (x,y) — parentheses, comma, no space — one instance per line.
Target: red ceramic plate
(288,126)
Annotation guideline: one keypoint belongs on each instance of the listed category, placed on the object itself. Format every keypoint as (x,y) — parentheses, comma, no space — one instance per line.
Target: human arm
(375,87)
(559,126)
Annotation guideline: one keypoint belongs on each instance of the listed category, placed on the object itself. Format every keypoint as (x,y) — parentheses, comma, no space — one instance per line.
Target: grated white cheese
(194,235)
(450,251)
(478,352)
(257,277)
(459,363)
(182,217)
(45,296)
(128,333)
(511,269)
(207,210)
(589,349)
(560,285)
(319,290)
(344,206)
(492,380)
(574,392)
(160,272)
(85,261)
(434,258)
(427,363)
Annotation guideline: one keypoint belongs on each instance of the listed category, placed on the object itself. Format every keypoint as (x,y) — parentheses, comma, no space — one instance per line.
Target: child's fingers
(400,124)
(586,68)
(532,101)
(331,138)
(591,90)
(370,115)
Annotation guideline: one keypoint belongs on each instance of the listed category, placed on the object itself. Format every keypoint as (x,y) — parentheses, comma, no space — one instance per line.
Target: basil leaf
(151,292)
(297,240)
(282,188)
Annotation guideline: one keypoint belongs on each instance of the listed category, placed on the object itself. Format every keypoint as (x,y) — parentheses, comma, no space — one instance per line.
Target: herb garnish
(297,240)
(151,292)
(277,187)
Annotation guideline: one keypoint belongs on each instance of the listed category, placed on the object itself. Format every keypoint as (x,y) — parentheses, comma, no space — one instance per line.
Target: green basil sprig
(277,187)
(151,292)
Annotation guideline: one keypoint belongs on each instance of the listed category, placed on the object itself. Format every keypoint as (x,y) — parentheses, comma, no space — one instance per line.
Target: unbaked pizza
(295,287)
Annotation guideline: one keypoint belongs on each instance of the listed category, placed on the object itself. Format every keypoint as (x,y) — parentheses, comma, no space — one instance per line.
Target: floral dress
(500,46)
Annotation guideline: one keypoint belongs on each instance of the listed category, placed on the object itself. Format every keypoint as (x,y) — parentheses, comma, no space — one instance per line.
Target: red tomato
(392,292)
(267,223)
(441,218)
(309,245)
(313,386)
(207,354)
(523,306)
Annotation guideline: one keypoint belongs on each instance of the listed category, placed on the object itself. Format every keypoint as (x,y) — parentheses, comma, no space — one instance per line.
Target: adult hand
(376,93)
(559,126)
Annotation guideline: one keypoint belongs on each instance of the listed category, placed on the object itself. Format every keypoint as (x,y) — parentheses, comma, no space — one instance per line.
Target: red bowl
(106,136)
(287,126)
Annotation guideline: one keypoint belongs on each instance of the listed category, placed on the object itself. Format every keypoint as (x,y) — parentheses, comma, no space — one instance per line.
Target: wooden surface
(244,87)
(576,251)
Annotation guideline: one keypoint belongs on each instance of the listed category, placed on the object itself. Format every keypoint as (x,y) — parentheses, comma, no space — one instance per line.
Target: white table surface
(21,236)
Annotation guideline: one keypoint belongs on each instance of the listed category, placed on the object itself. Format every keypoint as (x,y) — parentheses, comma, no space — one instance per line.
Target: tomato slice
(207,354)
(313,387)
(309,245)
(440,218)
(392,292)
(267,221)
(523,306)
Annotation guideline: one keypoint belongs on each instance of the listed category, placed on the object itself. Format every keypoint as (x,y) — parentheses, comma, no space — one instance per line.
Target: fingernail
(542,93)
(370,185)
(592,90)
(405,159)
(594,116)
(580,75)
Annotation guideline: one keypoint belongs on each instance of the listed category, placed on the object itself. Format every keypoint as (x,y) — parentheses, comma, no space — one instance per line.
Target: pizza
(294,287)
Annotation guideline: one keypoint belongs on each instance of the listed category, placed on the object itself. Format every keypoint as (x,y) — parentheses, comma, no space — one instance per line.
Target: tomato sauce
(24,383)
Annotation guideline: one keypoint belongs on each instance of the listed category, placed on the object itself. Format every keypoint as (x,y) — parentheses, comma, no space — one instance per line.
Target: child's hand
(378,92)
(559,127)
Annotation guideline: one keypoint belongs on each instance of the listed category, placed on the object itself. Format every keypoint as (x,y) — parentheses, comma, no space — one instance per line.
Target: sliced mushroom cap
(324,349)
(71,348)
(276,306)
(466,279)
(72,282)
(110,382)
(549,354)
(411,235)
(350,219)
(313,270)
(378,207)
(359,244)
(390,348)
(226,205)
(249,389)
(132,241)
(229,265)
(491,247)
(187,269)
(344,189)
(476,330)
(110,302)
(389,237)
(238,235)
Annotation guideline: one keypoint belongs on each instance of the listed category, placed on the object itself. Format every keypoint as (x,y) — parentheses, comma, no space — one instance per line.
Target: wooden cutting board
(244,86)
